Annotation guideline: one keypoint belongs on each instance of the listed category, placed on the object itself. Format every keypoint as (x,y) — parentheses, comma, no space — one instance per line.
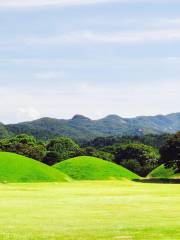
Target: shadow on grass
(158,180)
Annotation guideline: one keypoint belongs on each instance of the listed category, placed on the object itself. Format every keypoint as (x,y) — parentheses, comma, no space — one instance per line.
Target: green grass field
(90,210)
(91,168)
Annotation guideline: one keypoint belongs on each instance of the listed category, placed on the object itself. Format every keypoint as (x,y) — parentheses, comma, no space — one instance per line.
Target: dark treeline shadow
(160,180)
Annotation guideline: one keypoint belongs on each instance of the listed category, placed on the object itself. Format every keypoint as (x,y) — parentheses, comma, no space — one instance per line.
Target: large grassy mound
(162,172)
(16,168)
(90,168)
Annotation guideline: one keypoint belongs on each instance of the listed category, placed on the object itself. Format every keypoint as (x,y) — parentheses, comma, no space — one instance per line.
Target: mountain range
(83,128)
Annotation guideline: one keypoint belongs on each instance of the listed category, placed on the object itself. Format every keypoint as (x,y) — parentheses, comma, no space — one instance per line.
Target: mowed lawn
(89,211)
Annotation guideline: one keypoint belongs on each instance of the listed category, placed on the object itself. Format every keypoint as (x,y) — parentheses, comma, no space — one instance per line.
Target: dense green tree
(24,139)
(147,156)
(132,164)
(65,147)
(24,145)
(51,158)
(170,152)
(91,151)
(149,139)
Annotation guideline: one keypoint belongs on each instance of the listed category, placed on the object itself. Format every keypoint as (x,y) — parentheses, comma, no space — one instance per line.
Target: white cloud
(49,75)
(64,3)
(92,100)
(167,21)
(28,113)
(77,62)
(129,37)
(61,3)
(21,106)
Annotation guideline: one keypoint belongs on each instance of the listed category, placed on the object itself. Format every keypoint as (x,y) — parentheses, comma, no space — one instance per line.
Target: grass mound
(17,168)
(90,168)
(162,172)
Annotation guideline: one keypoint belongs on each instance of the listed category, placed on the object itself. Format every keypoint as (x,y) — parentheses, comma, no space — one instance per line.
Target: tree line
(130,152)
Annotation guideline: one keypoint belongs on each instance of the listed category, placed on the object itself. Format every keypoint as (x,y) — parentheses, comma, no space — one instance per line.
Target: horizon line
(80,115)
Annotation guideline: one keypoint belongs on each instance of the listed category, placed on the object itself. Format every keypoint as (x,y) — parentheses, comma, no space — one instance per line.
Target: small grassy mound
(90,168)
(16,168)
(162,172)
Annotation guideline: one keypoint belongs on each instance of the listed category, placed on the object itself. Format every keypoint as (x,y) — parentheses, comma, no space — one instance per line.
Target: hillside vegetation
(17,168)
(91,168)
(82,128)
(139,158)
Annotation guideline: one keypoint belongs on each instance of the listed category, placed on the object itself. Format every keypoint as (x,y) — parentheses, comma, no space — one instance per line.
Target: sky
(59,58)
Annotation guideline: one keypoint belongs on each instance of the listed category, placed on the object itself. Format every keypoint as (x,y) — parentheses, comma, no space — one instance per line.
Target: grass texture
(90,168)
(17,168)
(162,172)
(86,210)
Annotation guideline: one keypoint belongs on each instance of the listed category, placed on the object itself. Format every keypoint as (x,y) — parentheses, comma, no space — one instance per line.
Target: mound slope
(90,168)
(17,168)
(162,172)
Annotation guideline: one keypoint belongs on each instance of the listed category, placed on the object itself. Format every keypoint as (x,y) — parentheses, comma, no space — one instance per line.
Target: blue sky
(92,57)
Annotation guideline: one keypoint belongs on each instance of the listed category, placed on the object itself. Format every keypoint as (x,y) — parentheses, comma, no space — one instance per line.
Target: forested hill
(83,128)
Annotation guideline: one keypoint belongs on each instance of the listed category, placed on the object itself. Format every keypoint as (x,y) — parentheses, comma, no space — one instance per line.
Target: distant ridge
(81,127)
